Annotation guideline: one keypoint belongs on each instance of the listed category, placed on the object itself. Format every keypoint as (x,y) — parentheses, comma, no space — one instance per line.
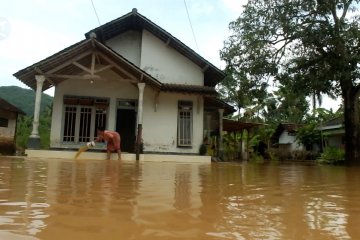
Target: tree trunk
(352,126)
(314,103)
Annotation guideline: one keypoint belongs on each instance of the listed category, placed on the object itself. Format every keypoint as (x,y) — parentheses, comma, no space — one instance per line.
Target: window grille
(81,118)
(100,119)
(85,124)
(185,122)
(69,124)
(4,122)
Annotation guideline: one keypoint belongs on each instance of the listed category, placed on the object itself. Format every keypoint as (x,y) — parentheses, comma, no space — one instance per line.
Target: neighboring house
(8,121)
(332,132)
(284,137)
(135,78)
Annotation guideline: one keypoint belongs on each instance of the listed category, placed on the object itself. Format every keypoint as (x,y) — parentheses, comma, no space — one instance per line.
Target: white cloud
(235,6)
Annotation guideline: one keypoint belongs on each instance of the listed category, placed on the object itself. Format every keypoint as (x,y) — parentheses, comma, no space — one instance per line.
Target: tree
(302,41)
(245,95)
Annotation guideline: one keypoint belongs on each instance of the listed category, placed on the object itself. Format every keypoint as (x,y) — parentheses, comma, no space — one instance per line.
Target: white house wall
(128,45)
(156,58)
(285,138)
(166,64)
(160,126)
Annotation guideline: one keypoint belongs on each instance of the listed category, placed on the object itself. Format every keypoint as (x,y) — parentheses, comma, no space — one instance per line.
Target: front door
(125,125)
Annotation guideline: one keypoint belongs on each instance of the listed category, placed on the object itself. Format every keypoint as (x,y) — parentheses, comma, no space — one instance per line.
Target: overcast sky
(31,30)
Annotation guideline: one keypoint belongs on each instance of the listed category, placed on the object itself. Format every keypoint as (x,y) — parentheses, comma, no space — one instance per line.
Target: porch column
(221,148)
(141,87)
(34,139)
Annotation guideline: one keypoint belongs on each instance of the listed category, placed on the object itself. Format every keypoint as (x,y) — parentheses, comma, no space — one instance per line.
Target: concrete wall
(166,64)
(160,126)
(156,58)
(286,138)
(128,45)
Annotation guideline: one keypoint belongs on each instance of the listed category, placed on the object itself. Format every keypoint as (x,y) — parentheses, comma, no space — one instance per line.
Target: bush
(332,155)
(202,149)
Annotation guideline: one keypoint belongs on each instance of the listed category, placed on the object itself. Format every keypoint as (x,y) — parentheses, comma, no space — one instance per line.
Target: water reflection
(57,199)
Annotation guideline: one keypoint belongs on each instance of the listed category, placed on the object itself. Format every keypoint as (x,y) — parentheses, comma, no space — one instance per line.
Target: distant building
(333,132)
(284,137)
(8,120)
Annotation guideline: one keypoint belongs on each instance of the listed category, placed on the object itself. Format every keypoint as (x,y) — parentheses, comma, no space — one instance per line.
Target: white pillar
(39,84)
(141,87)
(221,148)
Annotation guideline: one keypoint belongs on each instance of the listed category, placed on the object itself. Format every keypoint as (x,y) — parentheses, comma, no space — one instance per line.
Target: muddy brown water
(68,199)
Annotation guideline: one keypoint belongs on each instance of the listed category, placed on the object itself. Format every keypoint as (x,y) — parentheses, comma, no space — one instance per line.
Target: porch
(91,155)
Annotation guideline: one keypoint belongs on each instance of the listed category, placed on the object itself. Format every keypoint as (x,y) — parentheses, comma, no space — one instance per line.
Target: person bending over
(112,140)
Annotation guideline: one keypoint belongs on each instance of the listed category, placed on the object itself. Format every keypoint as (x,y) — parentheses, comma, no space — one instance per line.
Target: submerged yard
(88,199)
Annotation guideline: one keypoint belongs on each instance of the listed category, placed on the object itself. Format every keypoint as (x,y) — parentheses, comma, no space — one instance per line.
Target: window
(82,116)
(4,122)
(185,120)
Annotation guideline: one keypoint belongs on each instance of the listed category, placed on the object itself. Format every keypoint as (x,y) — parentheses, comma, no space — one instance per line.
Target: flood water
(84,199)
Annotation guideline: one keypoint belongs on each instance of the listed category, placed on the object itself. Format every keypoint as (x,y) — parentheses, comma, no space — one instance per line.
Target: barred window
(4,122)
(81,117)
(185,123)
(69,124)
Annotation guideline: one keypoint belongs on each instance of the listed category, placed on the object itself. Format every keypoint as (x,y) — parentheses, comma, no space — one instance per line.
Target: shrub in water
(332,155)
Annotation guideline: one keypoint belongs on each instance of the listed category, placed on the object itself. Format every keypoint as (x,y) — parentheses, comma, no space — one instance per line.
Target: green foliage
(45,127)
(24,128)
(310,47)
(24,98)
(332,155)
(308,136)
(23,131)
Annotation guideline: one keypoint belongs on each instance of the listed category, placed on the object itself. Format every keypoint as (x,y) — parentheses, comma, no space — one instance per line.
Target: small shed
(233,127)
(8,121)
(284,137)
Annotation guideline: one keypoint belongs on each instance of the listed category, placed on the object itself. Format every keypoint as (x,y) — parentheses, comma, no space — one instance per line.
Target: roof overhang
(89,56)
(214,103)
(92,57)
(237,126)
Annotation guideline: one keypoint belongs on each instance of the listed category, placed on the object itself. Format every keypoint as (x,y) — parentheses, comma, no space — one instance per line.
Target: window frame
(4,122)
(185,124)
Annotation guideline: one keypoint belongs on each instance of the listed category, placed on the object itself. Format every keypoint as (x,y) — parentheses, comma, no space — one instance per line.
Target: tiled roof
(4,105)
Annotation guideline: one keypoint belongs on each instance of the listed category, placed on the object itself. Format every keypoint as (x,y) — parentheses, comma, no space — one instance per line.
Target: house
(284,137)
(135,78)
(333,132)
(8,121)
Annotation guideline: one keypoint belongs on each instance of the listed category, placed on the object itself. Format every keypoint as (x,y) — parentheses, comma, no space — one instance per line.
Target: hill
(24,98)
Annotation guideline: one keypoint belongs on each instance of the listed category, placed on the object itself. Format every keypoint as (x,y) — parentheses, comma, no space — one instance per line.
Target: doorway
(126,125)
